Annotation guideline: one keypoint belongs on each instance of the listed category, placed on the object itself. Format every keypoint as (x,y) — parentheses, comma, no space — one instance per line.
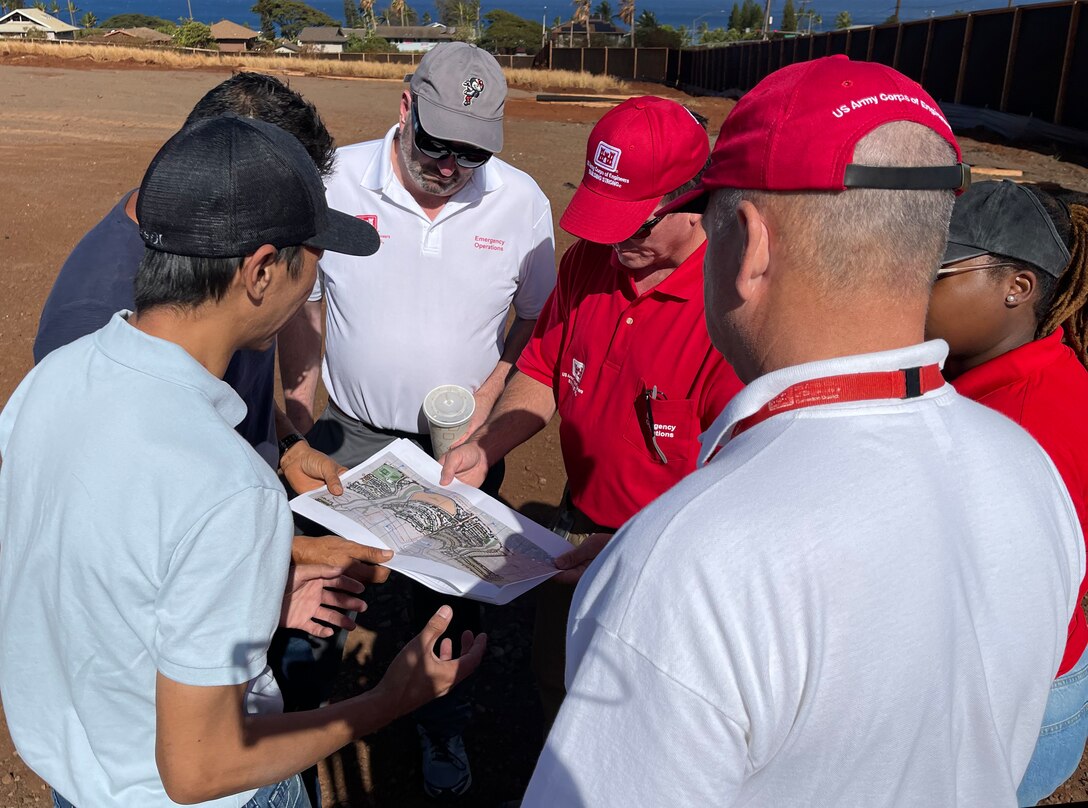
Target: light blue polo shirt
(138,533)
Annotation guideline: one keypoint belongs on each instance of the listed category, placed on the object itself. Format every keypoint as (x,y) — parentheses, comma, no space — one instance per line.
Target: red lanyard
(906,383)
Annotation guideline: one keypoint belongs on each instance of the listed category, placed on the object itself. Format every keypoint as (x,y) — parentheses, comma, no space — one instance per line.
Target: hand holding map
(454,539)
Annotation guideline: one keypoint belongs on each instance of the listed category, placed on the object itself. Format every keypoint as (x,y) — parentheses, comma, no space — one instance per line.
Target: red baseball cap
(637,153)
(796,131)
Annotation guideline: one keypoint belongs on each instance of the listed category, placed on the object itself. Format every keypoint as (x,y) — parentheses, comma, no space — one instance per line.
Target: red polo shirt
(1043,387)
(601,346)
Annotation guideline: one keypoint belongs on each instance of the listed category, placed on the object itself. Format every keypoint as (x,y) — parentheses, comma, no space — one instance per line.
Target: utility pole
(898,2)
(767,20)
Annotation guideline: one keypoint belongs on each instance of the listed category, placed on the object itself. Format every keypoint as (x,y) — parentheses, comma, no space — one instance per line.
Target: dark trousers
(553,602)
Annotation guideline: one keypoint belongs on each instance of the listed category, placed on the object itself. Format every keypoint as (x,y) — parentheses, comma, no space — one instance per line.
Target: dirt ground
(73,139)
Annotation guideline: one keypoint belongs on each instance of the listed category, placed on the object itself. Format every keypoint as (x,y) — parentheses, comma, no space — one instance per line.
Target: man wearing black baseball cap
(139,589)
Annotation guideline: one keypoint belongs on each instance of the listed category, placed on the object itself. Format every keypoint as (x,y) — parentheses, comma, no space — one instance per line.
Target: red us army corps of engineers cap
(796,131)
(638,152)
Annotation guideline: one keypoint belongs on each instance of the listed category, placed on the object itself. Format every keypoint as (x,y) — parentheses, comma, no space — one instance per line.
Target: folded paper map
(454,539)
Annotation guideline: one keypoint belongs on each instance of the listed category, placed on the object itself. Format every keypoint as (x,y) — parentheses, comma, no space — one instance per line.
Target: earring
(1010,299)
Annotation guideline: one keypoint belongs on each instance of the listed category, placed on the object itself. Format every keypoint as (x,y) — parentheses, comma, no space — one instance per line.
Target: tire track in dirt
(41,125)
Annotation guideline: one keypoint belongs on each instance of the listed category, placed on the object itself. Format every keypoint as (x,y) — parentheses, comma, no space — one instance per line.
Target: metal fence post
(963,57)
(925,56)
(1067,61)
(1014,40)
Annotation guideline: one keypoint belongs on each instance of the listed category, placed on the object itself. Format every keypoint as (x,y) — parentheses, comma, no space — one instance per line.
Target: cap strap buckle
(909,178)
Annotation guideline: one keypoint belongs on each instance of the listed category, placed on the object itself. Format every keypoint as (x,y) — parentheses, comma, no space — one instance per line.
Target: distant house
(137,36)
(414,37)
(287,48)
(605,34)
(34,23)
(232,37)
(323,38)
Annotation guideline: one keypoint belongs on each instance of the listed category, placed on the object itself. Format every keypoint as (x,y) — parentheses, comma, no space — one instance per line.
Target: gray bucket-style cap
(460,91)
(1003,218)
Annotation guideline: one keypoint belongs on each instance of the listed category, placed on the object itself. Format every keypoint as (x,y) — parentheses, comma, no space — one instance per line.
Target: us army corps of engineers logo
(574,378)
(605,165)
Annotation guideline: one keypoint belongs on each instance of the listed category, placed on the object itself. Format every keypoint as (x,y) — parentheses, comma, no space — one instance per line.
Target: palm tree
(88,20)
(581,14)
(627,17)
(72,11)
(396,10)
(367,7)
(604,10)
(39,4)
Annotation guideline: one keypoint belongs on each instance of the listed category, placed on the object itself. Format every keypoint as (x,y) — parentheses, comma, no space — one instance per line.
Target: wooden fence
(1030,61)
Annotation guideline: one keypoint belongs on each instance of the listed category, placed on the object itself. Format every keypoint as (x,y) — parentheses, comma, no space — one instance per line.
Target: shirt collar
(161,359)
(683,283)
(752,397)
(378,176)
(1011,367)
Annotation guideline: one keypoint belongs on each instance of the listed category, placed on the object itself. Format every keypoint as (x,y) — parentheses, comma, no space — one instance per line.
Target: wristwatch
(289,441)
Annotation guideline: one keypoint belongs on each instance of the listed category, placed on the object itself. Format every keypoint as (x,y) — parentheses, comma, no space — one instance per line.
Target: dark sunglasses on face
(466,156)
(646,228)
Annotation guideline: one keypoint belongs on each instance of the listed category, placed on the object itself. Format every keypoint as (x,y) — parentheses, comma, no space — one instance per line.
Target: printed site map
(416,519)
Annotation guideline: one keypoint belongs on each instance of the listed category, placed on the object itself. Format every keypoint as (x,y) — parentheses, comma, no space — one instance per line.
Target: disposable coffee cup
(448,409)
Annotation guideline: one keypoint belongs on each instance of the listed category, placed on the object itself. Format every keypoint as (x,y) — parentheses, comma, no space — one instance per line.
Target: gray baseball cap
(460,91)
(1003,218)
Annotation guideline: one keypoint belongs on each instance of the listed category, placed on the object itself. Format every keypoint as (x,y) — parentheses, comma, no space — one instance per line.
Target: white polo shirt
(430,306)
(852,604)
(139,533)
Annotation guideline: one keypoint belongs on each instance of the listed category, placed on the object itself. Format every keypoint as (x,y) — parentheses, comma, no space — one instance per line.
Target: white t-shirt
(140,533)
(430,306)
(855,604)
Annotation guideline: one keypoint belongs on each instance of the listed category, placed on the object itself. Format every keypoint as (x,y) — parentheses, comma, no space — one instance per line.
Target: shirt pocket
(675,430)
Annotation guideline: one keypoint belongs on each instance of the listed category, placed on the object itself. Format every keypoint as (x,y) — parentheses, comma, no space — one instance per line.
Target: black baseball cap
(225,186)
(1006,219)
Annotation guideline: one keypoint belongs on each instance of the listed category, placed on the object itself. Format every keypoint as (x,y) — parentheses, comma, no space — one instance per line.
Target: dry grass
(181,60)
(562,79)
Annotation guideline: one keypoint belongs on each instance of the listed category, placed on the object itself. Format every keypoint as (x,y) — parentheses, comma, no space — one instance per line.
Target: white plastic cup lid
(449,405)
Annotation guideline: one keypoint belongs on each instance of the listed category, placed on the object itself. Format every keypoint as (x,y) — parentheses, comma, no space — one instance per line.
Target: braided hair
(1066,307)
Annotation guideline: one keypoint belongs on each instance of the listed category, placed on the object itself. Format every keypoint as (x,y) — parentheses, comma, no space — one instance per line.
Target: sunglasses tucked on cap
(223,187)
(460,92)
(1005,219)
(637,153)
(796,131)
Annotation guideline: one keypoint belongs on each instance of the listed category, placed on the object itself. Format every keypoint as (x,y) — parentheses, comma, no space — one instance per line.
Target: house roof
(291,47)
(225,29)
(145,34)
(322,35)
(414,32)
(37,18)
(596,26)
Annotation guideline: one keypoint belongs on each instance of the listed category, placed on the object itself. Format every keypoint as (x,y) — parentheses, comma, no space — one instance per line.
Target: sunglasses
(466,156)
(950,271)
(646,228)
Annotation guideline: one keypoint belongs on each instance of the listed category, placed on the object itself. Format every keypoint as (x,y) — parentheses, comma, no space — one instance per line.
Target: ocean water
(684,12)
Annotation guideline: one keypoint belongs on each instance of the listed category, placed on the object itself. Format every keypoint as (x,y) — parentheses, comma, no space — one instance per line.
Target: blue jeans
(287,793)
(1061,739)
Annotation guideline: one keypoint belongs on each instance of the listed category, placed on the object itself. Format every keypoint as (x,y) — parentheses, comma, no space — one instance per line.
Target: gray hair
(863,238)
